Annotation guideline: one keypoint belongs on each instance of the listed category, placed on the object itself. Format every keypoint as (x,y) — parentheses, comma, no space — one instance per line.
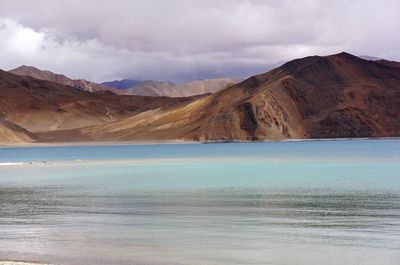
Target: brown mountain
(60,79)
(44,106)
(336,96)
(168,89)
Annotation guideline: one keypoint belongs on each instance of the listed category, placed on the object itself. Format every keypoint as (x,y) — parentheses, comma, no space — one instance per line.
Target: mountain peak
(25,68)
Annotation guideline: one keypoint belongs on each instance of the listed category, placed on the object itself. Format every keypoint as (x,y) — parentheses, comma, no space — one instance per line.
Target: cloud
(181,40)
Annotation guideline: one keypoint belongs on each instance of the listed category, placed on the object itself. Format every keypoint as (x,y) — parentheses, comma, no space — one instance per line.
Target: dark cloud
(180,40)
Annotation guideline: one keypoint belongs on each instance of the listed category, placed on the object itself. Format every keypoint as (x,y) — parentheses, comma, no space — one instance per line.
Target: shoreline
(11,262)
(166,142)
(96,143)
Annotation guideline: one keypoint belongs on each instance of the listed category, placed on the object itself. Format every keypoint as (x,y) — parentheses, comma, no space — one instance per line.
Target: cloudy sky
(182,40)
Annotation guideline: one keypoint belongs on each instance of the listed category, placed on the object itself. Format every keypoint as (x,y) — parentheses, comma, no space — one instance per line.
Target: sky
(182,40)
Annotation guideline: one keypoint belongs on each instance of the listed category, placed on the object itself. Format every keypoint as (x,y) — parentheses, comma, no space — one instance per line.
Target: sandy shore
(19,263)
(158,142)
(98,143)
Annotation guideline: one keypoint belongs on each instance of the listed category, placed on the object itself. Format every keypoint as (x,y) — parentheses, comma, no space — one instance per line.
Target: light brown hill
(11,133)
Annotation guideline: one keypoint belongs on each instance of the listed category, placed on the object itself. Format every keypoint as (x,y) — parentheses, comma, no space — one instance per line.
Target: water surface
(322,202)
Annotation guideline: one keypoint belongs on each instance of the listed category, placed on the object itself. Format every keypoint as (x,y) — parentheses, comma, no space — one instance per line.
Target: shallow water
(322,202)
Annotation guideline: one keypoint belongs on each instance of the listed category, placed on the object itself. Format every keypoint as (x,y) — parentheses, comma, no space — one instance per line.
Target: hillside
(12,133)
(336,96)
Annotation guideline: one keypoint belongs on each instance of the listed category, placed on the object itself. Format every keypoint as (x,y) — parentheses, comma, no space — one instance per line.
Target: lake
(278,203)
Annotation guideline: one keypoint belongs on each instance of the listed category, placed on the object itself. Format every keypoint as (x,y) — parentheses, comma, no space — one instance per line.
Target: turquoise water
(322,202)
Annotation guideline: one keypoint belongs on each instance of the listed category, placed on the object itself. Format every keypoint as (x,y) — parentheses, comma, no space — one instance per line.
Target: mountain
(43,106)
(60,79)
(121,84)
(337,96)
(12,133)
(169,89)
(129,86)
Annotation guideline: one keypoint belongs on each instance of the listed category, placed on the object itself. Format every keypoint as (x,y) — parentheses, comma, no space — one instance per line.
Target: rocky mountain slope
(336,96)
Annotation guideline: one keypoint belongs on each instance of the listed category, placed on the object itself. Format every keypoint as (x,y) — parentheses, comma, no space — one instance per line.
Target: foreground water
(305,203)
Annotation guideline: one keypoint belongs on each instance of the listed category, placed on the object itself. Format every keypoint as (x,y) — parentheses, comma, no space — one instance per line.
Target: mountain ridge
(336,96)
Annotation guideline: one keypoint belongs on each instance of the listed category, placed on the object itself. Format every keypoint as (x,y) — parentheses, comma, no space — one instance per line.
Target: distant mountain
(369,58)
(389,63)
(169,89)
(121,84)
(151,88)
(382,61)
(59,79)
(337,96)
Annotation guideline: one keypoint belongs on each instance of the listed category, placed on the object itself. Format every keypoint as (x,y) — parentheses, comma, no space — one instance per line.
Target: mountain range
(337,96)
(132,87)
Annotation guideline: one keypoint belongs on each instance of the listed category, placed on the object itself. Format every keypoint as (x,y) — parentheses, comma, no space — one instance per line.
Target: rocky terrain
(337,96)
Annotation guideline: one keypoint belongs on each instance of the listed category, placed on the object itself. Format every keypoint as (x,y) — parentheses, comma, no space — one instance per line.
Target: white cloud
(23,42)
(181,40)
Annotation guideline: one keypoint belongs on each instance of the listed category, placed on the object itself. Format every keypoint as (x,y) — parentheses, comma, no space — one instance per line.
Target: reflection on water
(208,212)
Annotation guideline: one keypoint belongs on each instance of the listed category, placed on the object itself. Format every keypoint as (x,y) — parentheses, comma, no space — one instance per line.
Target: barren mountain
(336,96)
(168,89)
(39,105)
(60,79)
(315,97)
